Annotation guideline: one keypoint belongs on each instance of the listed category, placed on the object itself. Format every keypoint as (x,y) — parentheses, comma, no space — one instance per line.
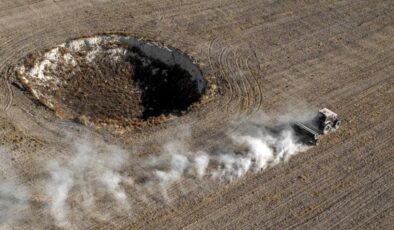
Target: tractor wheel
(327,128)
(337,124)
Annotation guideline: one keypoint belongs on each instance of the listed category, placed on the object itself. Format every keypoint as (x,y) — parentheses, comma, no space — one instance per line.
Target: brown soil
(121,92)
(262,55)
(105,90)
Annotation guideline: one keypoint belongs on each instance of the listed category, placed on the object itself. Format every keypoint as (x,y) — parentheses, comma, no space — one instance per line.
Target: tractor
(324,122)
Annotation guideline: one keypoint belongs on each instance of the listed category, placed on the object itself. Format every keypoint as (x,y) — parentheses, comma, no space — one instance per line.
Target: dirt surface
(262,55)
(101,82)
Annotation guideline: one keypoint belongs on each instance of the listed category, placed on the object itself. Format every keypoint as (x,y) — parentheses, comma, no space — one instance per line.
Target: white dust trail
(96,169)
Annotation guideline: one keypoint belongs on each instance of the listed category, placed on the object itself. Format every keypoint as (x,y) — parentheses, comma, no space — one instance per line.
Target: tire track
(268,222)
(369,219)
(10,94)
(227,27)
(321,180)
(350,204)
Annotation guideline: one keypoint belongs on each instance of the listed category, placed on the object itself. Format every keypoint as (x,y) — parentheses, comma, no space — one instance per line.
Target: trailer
(324,122)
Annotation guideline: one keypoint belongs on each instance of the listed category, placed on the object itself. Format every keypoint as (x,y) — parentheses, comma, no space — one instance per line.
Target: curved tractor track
(270,56)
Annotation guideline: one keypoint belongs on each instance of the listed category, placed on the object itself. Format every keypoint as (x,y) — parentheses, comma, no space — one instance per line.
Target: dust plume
(249,151)
(14,196)
(252,148)
(98,182)
(14,203)
(89,180)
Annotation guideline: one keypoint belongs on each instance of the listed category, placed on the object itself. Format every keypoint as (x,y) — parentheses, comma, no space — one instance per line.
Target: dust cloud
(91,179)
(14,196)
(95,183)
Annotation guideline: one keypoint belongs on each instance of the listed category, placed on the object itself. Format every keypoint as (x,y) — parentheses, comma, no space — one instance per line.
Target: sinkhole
(113,80)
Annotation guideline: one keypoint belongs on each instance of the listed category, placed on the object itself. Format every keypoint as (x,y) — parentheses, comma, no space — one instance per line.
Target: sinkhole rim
(166,81)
